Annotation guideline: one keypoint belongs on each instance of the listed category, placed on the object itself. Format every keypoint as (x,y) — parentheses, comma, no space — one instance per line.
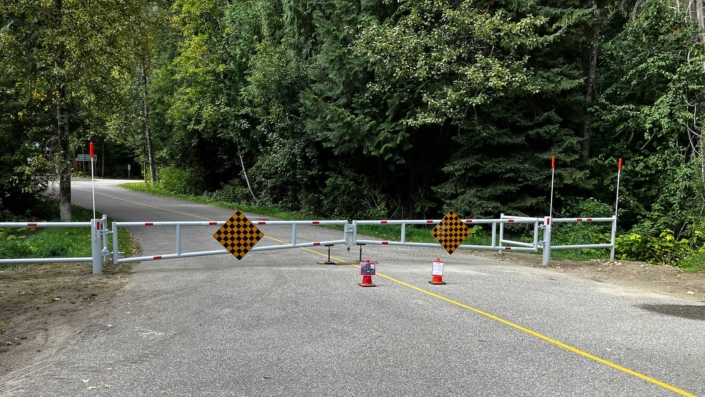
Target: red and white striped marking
(507,248)
(316,244)
(156,258)
(429,221)
(383,222)
(315,222)
(510,220)
(385,242)
(31,225)
(468,221)
(150,224)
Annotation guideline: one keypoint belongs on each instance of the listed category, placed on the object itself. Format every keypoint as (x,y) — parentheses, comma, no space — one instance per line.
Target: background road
(277,323)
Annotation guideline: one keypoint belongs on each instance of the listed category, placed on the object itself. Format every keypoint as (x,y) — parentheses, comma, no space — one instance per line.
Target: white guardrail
(546,226)
(179,254)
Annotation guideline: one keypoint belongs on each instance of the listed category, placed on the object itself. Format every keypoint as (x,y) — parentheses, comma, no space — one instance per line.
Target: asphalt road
(278,323)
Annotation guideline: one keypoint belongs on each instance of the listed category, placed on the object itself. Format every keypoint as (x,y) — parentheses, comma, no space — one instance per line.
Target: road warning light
(437,272)
(367,270)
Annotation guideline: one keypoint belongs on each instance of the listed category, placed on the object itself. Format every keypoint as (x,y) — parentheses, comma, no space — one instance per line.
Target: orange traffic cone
(367,282)
(437,273)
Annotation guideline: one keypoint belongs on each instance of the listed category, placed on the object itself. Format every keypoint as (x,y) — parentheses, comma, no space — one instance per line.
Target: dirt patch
(659,279)
(46,307)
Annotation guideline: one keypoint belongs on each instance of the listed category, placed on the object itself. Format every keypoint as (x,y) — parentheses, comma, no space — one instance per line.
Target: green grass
(29,242)
(270,211)
(694,263)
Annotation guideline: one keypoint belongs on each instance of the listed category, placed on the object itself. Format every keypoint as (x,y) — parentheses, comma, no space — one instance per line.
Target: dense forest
(367,109)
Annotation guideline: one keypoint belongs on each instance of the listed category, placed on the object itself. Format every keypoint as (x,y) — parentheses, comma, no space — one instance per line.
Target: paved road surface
(277,323)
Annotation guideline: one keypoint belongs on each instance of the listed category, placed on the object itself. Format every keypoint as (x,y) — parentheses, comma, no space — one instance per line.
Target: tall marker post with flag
(616,209)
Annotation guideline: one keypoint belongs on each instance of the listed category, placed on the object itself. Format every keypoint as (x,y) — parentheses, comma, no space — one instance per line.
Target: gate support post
(613,238)
(96,251)
(546,241)
(501,233)
(116,253)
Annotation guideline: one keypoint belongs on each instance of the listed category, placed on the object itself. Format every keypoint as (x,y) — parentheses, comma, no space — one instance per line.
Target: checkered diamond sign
(238,235)
(451,232)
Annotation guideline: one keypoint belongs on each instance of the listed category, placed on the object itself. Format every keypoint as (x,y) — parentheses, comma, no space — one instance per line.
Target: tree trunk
(701,17)
(102,161)
(590,91)
(64,160)
(244,171)
(147,134)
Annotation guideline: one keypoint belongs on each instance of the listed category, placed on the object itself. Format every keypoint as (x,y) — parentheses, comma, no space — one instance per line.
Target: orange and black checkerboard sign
(451,232)
(238,235)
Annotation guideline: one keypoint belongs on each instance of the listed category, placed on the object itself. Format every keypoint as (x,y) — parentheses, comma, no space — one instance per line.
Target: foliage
(373,109)
(179,180)
(51,242)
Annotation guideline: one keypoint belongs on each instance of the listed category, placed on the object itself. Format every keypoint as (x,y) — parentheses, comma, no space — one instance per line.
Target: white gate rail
(492,246)
(548,247)
(98,234)
(179,254)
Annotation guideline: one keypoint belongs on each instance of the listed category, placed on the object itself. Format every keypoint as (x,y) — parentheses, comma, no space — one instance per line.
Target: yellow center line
(470,308)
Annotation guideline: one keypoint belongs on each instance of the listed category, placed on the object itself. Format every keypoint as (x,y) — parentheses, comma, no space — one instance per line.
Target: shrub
(179,180)
(231,192)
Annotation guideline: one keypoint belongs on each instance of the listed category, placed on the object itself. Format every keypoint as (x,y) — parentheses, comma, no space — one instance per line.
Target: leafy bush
(664,249)
(231,192)
(179,180)
(350,196)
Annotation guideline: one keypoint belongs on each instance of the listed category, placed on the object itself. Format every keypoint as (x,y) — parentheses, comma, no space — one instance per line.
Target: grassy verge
(694,264)
(29,242)
(271,211)
(481,235)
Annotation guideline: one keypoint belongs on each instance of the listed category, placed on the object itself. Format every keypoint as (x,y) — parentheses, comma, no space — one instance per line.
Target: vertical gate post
(96,252)
(613,239)
(547,241)
(104,232)
(501,233)
(116,254)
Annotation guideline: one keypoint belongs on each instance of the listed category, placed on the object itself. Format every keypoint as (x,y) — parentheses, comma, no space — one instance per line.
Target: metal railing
(493,245)
(179,254)
(547,246)
(98,233)
(100,250)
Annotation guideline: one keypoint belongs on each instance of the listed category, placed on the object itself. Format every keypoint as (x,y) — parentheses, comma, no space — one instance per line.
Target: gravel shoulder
(45,308)
(658,279)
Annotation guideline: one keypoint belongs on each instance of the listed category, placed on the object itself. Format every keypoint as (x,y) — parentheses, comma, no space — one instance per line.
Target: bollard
(547,242)
(96,251)
(437,272)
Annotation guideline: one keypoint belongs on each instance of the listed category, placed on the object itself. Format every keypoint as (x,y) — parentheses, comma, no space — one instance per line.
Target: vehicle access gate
(350,236)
